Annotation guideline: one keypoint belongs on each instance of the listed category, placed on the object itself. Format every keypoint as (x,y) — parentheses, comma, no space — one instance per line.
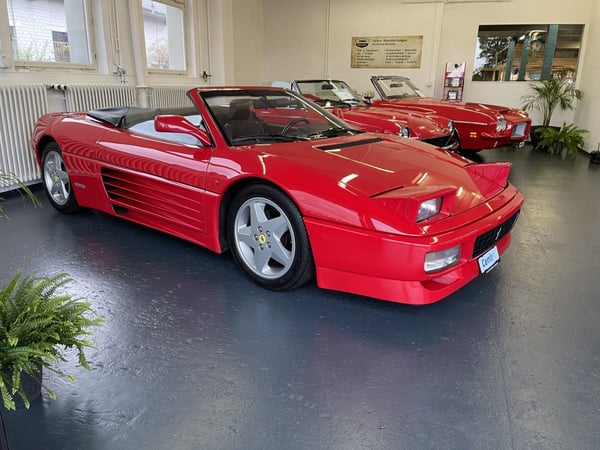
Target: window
(527,52)
(163,34)
(52,31)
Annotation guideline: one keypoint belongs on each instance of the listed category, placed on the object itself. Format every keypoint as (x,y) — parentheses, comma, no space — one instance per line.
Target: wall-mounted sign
(382,52)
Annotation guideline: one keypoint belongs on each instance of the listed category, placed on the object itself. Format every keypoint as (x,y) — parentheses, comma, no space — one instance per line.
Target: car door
(155,181)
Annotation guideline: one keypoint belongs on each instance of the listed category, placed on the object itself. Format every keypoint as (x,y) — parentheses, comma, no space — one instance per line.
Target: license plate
(489,260)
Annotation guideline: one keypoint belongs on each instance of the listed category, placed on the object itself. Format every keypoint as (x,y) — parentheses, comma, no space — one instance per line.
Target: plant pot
(533,137)
(31,386)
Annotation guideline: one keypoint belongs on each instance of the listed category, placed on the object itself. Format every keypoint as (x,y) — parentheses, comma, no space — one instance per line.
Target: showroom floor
(194,356)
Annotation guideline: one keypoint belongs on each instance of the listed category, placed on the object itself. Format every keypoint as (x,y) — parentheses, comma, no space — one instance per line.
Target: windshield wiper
(332,132)
(259,138)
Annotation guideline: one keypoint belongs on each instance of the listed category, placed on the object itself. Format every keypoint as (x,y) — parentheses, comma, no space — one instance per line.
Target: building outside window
(527,52)
(51,31)
(164,35)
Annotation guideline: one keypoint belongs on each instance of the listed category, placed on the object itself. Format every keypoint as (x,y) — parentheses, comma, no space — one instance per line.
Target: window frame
(184,7)
(518,54)
(6,47)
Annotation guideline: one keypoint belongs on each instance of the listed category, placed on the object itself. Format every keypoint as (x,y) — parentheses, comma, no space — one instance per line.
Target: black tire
(268,239)
(56,180)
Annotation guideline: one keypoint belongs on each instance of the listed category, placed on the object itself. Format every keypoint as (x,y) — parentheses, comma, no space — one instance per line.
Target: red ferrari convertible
(344,102)
(291,190)
(478,126)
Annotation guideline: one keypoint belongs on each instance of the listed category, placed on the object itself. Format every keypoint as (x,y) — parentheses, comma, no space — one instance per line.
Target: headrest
(239,110)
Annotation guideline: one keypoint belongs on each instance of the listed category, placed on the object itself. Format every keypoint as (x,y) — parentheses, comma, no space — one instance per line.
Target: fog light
(436,261)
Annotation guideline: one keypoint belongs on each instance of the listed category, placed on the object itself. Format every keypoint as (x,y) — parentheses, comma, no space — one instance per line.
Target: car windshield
(397,87)
(328,93)
(255,116)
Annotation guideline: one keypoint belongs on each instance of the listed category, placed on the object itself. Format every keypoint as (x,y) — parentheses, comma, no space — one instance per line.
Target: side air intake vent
(161,201)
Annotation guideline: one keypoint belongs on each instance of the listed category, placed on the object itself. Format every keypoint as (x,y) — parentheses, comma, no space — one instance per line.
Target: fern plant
(569,137)
(8,180)
(37,324)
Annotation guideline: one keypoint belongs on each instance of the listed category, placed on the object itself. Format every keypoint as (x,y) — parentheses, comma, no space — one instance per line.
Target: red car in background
(346,103)
(478,126)
(289,189)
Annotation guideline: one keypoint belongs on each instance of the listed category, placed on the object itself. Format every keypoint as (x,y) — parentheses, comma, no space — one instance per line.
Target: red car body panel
(475,123)
(358,195)
(390,121)
(429,126)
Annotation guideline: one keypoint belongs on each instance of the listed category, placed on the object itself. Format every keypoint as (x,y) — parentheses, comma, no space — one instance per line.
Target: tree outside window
(163,35)
(53,31)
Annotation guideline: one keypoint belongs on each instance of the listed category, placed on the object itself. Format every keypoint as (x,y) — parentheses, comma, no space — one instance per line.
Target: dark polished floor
(194,356)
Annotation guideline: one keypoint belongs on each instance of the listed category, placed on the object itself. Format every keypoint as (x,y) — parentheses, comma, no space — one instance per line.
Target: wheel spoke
(64,189)
(261,260)
(281,254)
(63,176)
(257,214)
(278,227)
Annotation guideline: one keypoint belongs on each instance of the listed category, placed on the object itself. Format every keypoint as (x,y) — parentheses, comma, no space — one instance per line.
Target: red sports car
(345,103)
(478,126)
(291,190)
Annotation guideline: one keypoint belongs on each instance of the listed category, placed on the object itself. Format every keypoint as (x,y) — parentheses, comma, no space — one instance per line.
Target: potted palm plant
(38,323)
(546,97)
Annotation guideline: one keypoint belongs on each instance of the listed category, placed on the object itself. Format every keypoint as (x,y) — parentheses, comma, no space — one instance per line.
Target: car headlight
(436,261)
(404,132)
(500,125)
(429,208)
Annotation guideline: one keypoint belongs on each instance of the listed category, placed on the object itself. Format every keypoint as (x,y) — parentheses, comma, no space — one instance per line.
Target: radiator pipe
(139,58)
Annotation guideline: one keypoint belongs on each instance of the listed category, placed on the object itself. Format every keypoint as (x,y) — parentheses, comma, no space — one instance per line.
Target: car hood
(454,110)
(420,126)
(374,165)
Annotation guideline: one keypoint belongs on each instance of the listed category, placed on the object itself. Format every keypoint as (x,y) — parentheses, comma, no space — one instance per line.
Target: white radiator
(84,97)
(20,107)
(169,96)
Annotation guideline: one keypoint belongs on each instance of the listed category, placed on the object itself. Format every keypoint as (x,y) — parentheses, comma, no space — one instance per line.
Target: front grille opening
(489,238)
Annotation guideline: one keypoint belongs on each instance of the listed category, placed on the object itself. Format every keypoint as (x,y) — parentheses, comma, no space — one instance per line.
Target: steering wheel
(295,121)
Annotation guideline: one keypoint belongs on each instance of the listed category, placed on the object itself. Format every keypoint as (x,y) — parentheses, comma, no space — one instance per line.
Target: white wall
(248,41)
(235,41)
(295,39)
(324,28)
(587,115)
(382,18)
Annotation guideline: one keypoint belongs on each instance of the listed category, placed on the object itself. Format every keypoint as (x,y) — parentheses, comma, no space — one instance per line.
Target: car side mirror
(179,124)
(368,97)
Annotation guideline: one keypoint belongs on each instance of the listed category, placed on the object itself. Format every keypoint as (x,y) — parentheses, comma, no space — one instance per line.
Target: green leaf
(38,320)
